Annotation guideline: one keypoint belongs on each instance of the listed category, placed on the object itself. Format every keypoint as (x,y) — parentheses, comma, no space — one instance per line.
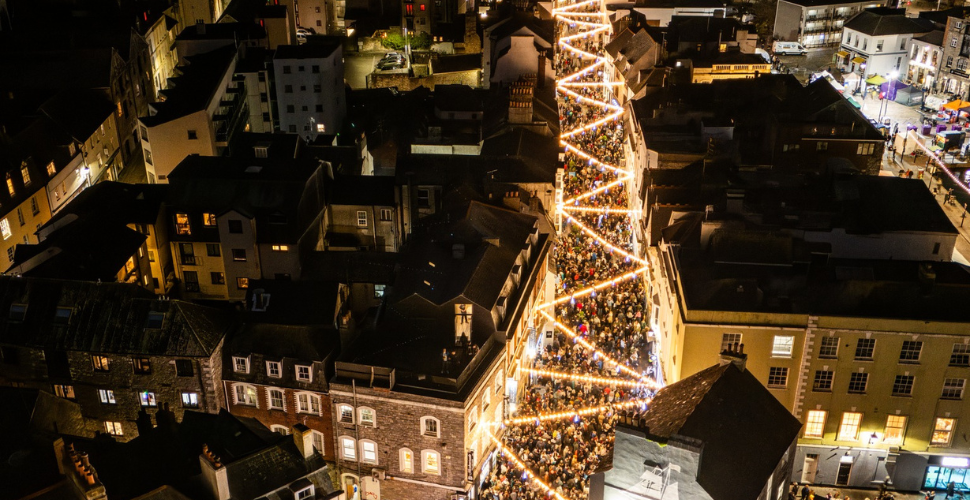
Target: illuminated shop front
(940,471)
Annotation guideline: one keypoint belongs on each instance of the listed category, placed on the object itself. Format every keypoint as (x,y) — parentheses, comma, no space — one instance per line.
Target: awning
(841,53)
(858,60)
(854,103)
(876,80)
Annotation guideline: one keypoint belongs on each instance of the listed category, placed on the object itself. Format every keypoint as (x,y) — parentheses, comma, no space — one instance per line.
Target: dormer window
(51,169)
(305,493)
(10,185)
(25,173)
(209,220)
(303,373)
(240,364)
(155,319)
(182,226)
(18,312)
(62,315)
(273,369)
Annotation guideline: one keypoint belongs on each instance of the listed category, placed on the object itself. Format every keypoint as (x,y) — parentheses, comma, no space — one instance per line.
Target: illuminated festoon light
(585,378)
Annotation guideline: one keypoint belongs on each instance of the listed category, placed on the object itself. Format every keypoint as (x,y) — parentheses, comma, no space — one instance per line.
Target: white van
(788,48)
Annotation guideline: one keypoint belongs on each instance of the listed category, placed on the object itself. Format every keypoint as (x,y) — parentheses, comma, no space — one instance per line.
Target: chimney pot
(85,460)
(90,477)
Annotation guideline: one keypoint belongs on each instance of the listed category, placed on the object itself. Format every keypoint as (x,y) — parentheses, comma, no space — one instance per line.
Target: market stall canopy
(876,80)
(841,53)
(956,105)
(858,60)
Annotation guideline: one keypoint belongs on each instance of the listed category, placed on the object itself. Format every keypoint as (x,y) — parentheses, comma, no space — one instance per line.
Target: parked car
(788,48)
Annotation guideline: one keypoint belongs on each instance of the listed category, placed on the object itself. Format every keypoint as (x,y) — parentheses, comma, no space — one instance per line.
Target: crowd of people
(562,453)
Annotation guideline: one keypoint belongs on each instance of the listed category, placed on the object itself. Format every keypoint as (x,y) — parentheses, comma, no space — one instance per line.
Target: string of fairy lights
(585,21)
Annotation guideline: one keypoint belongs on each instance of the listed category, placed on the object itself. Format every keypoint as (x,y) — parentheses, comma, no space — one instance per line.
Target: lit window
(208,220)
(190,399)
(895,429)
(5,229)
(778,377)
(345,414)
(308,403)
(281,248)
(245,394)
(10,185)
(141,366)
(275,399)
(25,174)
(240,364)
(182,225)
(321,128)
(429,426)
(107,396)
(51,169)
(273,369)
(728,340)
(147,398)
(472,418)
(498,382)
(849,429)
(782,346)
(348,448)
(368,452)
(280,429)
(242,283)
(431,462)
(64,391)
(100,363)
(829,347)
(864,349)
(379,291)
(367,417)
(303,373)
(943,431)
(113,428)
(361,218)
(407,460)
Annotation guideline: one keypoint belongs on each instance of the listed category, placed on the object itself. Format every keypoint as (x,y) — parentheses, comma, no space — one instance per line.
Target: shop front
(941,471)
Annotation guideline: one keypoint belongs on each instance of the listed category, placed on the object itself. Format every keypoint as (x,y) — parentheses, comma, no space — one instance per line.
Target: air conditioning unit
(378,474)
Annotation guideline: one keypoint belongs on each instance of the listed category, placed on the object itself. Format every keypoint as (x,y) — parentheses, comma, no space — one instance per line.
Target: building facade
(815,23)
(876,42)
(310,88)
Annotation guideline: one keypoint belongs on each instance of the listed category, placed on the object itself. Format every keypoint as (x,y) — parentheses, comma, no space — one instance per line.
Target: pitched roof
(350,267)
(107,317)
(885,21)
(317,47)
(80,111)
(363,190)
(744,429)
(934,37)
(195,86)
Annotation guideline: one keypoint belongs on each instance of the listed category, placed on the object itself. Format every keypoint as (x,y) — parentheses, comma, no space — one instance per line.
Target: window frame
(899,381)
(189,404)
(788,341)
(905,355)
(361,218)
(114,428)
(402,460)
(236,366)
(141,366)
(424,427)
(270,365)
(65,391)
(147,399)
(827,354)
(107,397)
(100,363)
(845,426)
(360,416)
(860,351)
(953,396)
(960,355)
(855,379)
(343,442)
(781,373)
(727,343)
(309,373)
(243,401)
(937,430)
(312,400)
(343,408)
(436,470)
(363,443)
(820,376)
(270,400)
(901,427)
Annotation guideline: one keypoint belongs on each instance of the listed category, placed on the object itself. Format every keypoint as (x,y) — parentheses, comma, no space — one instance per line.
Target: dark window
(960,355)
(62,315)
(183,368)
(302,68)
(141,366)
(291,109)
(263,97)
(191,281)
(187,252)
(212,250)
(9,355)
(864,348)
(858,383)
(193,135)
(239,254)
(823,381)
(18,312)
(218,278)
(424,198)
(319,108)
(936,248)
(903,385)
(315,68)
(288,89)
(235,226)
(282,276)
(911,351)
(317,89)
(287,70)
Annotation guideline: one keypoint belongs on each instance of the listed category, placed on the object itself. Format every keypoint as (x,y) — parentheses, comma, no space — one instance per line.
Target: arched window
(430,427)
(406,458)
(345,414)
(366,416)
(348,448)
(351,486)
(282,429)
(430,462)
(368,451)
(245,394)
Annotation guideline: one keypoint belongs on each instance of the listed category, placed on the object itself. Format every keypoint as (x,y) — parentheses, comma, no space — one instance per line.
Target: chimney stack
(82,476)
(214,474)
(304,440)
(734,354)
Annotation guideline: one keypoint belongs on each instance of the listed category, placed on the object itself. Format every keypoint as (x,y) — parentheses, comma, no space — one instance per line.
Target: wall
(521,59)
(167,144)
(243,241)
(787,21)
(330,99)
(24,233)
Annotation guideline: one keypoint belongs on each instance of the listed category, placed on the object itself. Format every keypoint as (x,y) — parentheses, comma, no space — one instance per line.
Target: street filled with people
(600,363)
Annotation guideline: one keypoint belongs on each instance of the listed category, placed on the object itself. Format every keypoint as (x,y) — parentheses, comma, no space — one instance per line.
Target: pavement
(822,490)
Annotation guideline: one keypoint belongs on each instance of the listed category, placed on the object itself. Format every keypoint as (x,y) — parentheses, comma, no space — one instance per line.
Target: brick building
(414,399)
(115,349)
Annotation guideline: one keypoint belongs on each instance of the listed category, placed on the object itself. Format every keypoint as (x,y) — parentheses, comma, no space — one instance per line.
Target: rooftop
(80,111)
(885,21)
(196,86)
(320,47)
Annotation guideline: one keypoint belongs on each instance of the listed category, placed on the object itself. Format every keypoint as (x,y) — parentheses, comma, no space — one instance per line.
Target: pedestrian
(950,487)
(805,492)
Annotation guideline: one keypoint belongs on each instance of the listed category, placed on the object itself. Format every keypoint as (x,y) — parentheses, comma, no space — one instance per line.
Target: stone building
(415,400)
(115,349)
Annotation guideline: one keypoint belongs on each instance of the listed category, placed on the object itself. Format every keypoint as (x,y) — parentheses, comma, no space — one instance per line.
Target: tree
(764,17)
(395,41)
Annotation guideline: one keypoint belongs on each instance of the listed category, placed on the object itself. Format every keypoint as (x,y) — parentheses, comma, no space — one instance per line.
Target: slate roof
(363,190)
(317,48)
(544,29)
(108,317)
(819,3)
(88,249)
(745,431)
(115,201)
(885,21)
(194,88)
(80,111)
(350,267)
(300,302)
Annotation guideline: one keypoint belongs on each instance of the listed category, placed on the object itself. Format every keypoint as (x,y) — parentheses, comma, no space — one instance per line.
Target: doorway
(842,479)
(810,468)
